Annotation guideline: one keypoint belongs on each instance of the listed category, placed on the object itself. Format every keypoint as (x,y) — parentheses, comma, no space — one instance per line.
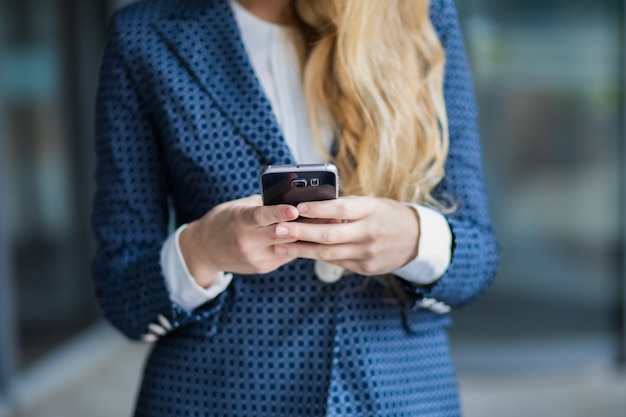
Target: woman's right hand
(237,236)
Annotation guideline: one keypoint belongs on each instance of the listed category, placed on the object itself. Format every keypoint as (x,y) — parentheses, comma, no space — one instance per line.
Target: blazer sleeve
(130,210)
(475,251)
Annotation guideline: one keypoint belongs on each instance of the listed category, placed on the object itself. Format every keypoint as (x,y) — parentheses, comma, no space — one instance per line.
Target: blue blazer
(182,119)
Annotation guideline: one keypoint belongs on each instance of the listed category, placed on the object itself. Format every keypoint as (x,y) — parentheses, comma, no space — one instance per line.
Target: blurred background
(548,339)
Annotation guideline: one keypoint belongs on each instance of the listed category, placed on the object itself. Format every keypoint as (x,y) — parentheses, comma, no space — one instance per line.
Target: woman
(254,313)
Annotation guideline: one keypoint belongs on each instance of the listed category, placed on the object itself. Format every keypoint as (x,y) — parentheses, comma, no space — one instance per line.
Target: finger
(317,221)
(347,256)
(270,260)
(340,209)
(360,268)
(324,233)
(261,216)
(278,233)
(329,253)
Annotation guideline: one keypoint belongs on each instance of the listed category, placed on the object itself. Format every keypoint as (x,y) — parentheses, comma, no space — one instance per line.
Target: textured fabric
(181,117)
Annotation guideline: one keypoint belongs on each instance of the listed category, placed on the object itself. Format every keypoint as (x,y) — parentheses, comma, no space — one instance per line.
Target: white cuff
(434,251)
(183,289)
(327,272)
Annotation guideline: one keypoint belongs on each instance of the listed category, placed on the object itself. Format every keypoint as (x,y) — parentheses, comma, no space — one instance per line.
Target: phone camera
(298,183)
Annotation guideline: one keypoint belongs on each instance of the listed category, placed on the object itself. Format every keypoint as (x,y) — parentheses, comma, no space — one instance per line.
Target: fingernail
(282,231)
(289,213)
(303,208)
(281,250)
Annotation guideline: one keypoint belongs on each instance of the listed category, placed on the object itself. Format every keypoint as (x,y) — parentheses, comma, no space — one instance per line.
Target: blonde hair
(376,68)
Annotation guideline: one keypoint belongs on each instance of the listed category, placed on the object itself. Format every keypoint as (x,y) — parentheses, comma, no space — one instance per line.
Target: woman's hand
(367,235)
(237,236)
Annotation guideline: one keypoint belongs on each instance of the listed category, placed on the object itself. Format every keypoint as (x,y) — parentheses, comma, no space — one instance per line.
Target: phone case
(293,184)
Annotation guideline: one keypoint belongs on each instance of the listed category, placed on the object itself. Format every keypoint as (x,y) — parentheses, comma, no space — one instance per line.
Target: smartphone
(293,184)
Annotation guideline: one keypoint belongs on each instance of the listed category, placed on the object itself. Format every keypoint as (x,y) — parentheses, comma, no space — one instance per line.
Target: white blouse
(274,58)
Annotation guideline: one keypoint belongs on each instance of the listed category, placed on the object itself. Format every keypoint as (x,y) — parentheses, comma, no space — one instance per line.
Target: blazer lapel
(204,35)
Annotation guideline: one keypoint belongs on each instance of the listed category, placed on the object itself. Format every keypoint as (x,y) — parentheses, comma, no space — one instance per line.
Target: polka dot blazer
(182,120)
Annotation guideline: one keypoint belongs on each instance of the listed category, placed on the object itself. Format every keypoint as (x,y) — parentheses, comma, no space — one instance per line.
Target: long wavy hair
(375,69)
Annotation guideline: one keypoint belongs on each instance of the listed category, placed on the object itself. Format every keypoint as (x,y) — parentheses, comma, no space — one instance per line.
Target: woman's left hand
(366,235)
